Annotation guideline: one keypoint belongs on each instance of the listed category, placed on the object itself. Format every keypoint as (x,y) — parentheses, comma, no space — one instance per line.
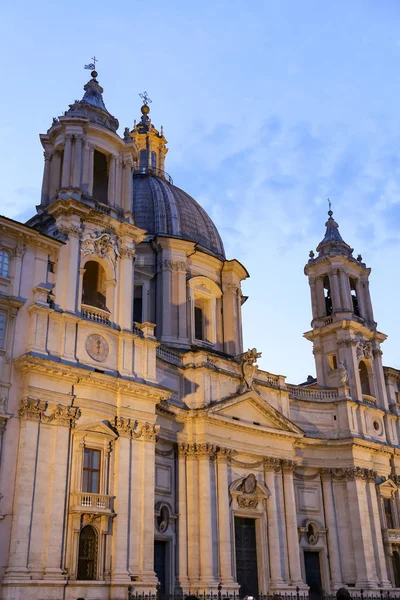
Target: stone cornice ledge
(82,374)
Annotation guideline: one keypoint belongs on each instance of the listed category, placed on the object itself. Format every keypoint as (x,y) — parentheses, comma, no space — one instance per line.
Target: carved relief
(34,410)
(70,230)
(273,464)
(349,473)
(249,493)
(172,265)
(135,429)
(103,244)
(364,350)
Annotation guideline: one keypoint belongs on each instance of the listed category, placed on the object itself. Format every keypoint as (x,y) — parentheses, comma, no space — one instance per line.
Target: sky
(269,108)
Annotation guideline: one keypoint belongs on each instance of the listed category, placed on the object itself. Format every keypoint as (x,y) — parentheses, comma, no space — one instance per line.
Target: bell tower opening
(100,177)
(94,285)
(364,379)
(354,298)
(328,297)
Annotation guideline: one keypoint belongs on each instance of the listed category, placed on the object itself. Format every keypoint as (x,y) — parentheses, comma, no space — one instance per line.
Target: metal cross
(146,98)
(92,66)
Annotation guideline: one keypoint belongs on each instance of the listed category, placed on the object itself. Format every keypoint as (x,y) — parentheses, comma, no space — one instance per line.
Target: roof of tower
(92,106)
(164,209)
(333,242)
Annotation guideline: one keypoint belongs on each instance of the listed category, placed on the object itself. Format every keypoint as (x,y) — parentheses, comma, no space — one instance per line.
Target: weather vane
(146,98)
(92,66)
(330,205)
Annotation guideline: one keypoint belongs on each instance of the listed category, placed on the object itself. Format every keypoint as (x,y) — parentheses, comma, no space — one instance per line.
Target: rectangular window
(91,471)
(153,160)
(138,304)
(387,505)
(333,361)
(143,159)
(2,329)
(396,397)
(198,323)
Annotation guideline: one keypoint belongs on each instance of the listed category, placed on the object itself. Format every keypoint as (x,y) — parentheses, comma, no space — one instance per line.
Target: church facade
(141,446)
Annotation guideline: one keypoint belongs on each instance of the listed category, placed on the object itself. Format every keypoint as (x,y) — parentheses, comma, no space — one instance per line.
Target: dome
(164,209)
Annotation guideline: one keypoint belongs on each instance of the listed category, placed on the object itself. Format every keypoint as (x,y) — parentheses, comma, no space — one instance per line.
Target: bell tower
(344,334)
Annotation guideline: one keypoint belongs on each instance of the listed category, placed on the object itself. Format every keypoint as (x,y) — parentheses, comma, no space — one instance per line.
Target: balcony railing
(95,314)
(393,536)
(368,398)
(95,503)
(306,393)
(153,171)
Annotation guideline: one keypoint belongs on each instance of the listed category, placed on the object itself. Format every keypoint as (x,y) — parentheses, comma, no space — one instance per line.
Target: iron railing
(153,171)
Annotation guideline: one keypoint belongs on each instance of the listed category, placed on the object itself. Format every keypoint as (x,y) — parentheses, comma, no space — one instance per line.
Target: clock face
(97,347)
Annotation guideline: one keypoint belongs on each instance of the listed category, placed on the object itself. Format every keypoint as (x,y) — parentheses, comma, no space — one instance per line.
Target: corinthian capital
(32,410)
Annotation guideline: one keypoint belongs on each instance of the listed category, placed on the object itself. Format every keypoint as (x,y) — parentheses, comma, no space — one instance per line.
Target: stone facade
(138,440)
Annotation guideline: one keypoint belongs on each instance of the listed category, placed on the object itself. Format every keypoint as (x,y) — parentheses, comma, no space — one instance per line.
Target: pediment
(387,488)
(250,409)
(102,428)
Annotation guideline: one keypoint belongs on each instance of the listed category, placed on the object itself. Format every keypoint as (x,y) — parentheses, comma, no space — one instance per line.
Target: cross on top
(92,65)
(146,98)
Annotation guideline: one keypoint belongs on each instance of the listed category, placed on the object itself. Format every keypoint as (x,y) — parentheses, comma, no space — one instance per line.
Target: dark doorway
(313,574)
(396,568)
(246,556)
(160,566)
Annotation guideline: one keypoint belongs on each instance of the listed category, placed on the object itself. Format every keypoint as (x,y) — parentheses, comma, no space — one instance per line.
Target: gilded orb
(145,109)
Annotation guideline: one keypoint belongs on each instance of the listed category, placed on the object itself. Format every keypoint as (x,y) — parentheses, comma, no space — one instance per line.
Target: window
(138,304)
(94,285)
(2,329)
(364,378)
(356,309)
(198,323)
(332,361)
(387,505)
(100,177)
(143,159)
(4,263)
(91,471)
(328,298)
(87,555)
(153,160)
(50,266)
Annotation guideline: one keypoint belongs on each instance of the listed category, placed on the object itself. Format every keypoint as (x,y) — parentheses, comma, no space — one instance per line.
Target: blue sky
(269,107)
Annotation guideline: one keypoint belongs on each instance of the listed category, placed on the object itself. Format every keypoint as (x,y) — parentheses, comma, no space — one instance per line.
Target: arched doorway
(87,555)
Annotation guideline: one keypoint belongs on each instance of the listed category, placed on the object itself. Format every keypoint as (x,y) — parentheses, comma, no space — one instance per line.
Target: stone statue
(343,374)
(249,367)
(127,135)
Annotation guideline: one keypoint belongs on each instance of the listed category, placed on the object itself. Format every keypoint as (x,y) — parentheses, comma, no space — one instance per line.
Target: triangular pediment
(250,409)
(387,488)
(102,428)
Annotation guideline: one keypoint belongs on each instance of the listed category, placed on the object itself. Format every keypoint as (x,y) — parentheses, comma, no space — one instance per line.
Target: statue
(343,374)
(127,135)
(249,367)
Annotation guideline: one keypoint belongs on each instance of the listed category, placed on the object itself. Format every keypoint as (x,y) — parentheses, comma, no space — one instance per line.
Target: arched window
(94,285)
(328,298)
(87,556)
(100,177)
(143,160)
(364,378)
(153,160)
(4,263)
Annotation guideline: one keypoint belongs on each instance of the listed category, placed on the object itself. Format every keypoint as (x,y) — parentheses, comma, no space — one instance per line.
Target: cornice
(78,374)
(24,233)
(35,410)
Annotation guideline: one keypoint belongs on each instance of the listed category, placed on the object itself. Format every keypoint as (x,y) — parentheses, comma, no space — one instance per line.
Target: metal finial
(146,98)
(92,66)
(330,213)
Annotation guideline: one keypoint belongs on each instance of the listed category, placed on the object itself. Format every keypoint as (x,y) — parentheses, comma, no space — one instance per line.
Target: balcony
(392,536)
(369,399)
(153,171)
(98,315)
(92,503)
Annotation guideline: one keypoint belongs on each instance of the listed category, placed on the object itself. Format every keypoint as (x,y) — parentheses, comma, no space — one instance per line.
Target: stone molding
(348,474)
(272,464)
(70,230)
(196,450)
(172,265)
(34,410)
(136,430)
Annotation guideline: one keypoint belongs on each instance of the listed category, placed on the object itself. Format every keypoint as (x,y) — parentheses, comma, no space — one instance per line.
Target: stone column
(76,172)
(365,293)
(148,434)
(192,494)
(205,517)
(182,579)
(182,319)
(380,385)
(55,175)
(111,181)
(66,166)
(314,303)
(90,169)
(122,483)
(361,528)
(224,521)
(230,290)
(65,419)
(347,302)
(127,185)
(332,527)
(336,303)
(377,534)
(361,300)
(272,522)
(319,292)
(67,284)
(291,524)
(46,178)
(118,199)
(126,284)
(30,413)
(135,489)
(166,275)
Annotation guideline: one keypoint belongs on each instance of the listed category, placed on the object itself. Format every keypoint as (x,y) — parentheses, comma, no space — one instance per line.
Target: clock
(97,347)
